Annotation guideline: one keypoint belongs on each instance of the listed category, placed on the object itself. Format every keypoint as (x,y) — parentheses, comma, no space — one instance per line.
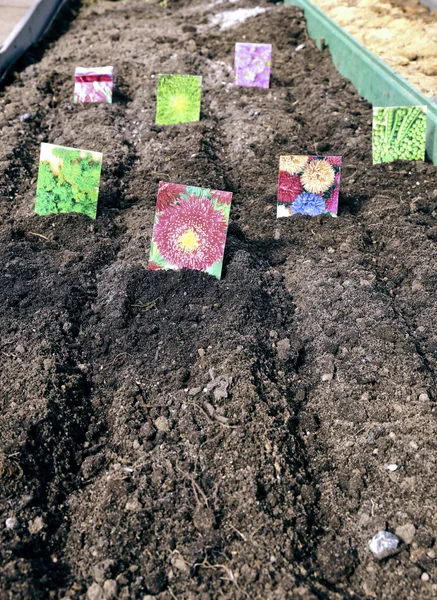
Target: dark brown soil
(167,435)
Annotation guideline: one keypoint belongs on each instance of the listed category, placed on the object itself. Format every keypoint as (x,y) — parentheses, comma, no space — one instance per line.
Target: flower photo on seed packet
(68,181)
(398,133)
(93,85)
(178,99)
(252,64)
(308,185)
(190,228)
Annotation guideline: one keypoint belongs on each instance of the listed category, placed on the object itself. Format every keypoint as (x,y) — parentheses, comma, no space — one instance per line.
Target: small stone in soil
(406,532)
(283,349)
(134,505)
(94,592)
(110,589)
(11,523)
(36,525)
(194,391)
(384,544)
(162,424)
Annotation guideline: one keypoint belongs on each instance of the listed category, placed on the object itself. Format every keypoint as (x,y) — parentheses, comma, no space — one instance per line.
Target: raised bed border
(29,30)
(374,80)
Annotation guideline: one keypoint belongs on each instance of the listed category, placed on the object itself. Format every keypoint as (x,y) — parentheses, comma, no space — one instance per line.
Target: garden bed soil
(165,435)
(402,33)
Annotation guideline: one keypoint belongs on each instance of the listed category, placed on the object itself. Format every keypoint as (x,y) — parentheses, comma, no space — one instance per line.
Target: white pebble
(383,544)
(391,467)
(11,523)
(425,577)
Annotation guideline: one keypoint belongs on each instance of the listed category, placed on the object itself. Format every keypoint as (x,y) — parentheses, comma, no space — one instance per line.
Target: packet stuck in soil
(190,228)
(68,181)
(178,99)
(308,185)
(399,133)
(252,64)
(93,85)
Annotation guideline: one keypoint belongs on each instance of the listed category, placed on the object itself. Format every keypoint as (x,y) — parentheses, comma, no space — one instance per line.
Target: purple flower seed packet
(252,64)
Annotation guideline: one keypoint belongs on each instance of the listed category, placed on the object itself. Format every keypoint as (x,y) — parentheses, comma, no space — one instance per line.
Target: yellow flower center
(188,241)
(179,102)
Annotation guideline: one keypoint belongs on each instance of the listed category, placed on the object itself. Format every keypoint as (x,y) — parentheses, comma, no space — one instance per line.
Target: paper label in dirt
(308,185)
(68,181)
(252,64)
(398,133)
(178,99)
(190,228)
(93,85)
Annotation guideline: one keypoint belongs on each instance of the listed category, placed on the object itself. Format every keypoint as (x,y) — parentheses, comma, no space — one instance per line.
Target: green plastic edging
(374,80)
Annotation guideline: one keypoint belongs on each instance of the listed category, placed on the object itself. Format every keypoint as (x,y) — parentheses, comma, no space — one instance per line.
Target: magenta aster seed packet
(308,185)
(93,85)
(190,228)
(252,64)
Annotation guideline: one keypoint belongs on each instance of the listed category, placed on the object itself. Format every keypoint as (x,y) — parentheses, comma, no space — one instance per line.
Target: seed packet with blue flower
(308,185)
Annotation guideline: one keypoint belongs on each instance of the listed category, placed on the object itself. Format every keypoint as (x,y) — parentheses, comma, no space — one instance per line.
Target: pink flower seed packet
(93,85)
(190,228)
(252,64)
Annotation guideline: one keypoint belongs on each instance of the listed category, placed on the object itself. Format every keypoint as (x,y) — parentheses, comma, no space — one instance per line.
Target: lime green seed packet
(68,181)
(178,99)
(398,133)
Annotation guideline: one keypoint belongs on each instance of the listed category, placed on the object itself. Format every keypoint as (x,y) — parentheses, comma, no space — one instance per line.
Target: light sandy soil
(401,33)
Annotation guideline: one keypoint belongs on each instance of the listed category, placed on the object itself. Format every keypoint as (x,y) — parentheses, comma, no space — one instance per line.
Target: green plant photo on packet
(68,181)
(178,99)
(398,133)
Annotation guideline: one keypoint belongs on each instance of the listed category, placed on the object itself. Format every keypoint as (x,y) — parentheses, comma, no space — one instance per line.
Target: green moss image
(68,181)
(178,99)
(399,133)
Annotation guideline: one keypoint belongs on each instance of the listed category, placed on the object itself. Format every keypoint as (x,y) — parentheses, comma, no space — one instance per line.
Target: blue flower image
(308,204)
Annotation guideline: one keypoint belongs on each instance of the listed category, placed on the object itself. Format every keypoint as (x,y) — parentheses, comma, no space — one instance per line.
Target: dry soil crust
(318,347)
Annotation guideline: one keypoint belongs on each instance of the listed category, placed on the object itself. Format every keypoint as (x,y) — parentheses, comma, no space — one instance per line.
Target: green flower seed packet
(399,133)
(178,99)
(68,181)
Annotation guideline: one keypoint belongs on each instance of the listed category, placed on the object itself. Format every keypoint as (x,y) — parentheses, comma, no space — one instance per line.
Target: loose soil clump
(167,435)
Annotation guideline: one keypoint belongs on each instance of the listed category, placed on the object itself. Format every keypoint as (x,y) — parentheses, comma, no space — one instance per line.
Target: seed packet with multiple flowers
(399,133)
(93,85)
(190,228)
(308,185)
(178,99)
(68,181)
(252,64)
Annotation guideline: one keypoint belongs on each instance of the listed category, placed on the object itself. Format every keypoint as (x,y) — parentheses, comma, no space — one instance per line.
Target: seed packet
(252,64)
(68,181)
(308,185)
(399,133)
(190,228)
(93,85)
(178,99)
